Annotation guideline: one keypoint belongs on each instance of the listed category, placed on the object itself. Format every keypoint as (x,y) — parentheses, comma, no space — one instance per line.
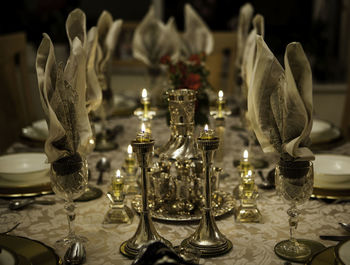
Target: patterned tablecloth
(252,243)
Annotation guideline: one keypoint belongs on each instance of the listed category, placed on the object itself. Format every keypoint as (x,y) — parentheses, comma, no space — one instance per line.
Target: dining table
(253,243)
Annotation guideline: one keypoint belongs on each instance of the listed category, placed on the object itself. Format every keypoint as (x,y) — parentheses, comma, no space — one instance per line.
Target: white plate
(23,167)
(332,171)
(320,126)
(343,252)
(323,131)
(37,131)
(6,257)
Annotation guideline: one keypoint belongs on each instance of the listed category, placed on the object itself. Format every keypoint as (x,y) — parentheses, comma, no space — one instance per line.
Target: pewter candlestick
(143,146)
(207,239)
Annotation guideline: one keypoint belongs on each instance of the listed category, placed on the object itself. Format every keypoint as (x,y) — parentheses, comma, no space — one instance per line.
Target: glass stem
(69,206)
(293,214)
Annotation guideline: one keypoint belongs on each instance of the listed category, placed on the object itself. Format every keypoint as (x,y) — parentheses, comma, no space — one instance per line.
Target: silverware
(19,204)
(102,166)
(335,238)
(75,254)
(265,184)
(345,226)
(11,229)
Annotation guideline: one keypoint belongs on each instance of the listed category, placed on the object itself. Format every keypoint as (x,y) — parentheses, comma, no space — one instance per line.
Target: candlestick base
(248,215)
(207,239)
(144,234)
(119,215)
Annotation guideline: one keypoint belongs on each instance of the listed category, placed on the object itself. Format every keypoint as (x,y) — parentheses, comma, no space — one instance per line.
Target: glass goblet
(69,178)
(294,183)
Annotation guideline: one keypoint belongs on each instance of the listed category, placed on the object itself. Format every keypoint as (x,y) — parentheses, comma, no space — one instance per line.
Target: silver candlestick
(143,146)
(207,239)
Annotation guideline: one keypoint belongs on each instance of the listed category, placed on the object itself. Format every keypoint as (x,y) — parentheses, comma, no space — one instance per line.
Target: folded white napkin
(108,33)
(153,39)
(76,27)
(249,53)
(62,93)
(244,22)
(280,102)
(197,37)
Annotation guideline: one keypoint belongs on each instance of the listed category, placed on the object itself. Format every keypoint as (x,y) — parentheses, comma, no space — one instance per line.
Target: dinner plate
(342,252)
(7,257)
(332,171)
(37,131)
(23,168)
(25,191)
(29,251)
(323,132)
(324,257)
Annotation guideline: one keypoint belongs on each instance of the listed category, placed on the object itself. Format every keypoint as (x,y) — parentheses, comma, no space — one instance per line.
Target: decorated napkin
(244,23)
(153,39)
(249,53)
(108,33)
(197,37)
(76,27)
(62,93)
(280,102)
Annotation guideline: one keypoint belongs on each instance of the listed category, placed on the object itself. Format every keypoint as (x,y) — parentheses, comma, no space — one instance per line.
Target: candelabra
(248,211)
(143,147)
(207,239)
(118,212)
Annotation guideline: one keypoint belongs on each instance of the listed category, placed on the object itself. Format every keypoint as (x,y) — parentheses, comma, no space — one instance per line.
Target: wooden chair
(15,96)
(221,62)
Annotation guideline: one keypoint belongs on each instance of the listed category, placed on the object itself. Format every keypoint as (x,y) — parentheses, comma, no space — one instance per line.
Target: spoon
(75,254)
(19,204)
(102,165)
(345,226)
(265,184)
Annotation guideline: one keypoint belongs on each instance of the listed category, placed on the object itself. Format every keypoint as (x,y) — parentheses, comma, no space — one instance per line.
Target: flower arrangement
(191,73)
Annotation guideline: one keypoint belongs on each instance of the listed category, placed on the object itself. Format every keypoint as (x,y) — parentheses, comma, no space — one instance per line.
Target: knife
(335,238)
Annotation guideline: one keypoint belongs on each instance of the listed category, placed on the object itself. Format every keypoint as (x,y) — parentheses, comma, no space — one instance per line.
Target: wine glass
(294,184)
(69,178)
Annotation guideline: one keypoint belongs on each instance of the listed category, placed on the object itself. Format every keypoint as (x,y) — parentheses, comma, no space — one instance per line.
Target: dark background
(285,21)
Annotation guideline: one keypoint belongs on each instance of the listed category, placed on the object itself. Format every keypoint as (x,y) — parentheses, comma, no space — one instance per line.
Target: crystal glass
(294,184)
(69,178)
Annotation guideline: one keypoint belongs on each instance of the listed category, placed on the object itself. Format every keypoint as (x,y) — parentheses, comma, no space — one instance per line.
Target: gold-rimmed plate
(25,191)
(28,251)
(342,252)
(331,194)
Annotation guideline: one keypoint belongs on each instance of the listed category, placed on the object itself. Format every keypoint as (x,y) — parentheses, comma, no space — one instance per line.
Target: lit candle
(145,101)
(129,151)
(207,133)
(117,185)
(143,136)
(220,102)
(245,164)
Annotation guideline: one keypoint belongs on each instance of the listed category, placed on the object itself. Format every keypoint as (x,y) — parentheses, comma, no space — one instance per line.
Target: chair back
(15,96)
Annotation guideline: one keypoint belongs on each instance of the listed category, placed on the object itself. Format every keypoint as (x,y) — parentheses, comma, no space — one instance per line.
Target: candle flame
(245,154)
(144,93)
(250,173)
(206,128)
(118,173)
(221,94)
(129,149)
(143,128)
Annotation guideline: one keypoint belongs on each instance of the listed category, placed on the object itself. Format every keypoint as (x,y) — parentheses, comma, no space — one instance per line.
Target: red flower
(195,58)
(165,59)
(193,81)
